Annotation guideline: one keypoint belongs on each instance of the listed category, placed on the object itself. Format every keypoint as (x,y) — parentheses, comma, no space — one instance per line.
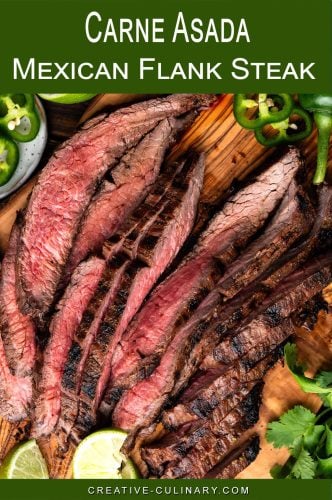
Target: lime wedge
(67,98)
(99,457)
(25,461)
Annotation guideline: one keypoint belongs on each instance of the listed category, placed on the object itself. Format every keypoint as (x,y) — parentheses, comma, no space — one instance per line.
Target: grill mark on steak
(128,238)
(240,218)
(63,328)
(308,315)
(82,378)
(66,185)
(291,294)
(239,460)
(214,439)
(174,445)
(133,178)
(290,223)
(196,338)
(18,343)
(237,310)
(173,225)
(254,334)
(319,239)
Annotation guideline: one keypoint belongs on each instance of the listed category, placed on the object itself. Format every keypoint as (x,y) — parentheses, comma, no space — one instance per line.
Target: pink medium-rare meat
(156,245)
(240,219)
(17,330)
(17,344)
(170,241)
(132,180)
(66,185)
(64,324)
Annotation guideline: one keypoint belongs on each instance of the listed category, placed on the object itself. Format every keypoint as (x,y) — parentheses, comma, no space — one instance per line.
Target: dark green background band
(280,31)
(257,489)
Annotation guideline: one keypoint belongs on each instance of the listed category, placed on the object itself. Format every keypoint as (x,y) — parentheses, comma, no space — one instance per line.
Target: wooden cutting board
(232,154)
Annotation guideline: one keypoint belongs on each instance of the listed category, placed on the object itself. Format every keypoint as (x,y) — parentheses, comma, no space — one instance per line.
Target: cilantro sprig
(307,436)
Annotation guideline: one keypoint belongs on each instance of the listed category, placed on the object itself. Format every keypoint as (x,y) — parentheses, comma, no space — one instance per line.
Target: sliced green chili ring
(295,128)
(19,118)
(253,111)
(9,157)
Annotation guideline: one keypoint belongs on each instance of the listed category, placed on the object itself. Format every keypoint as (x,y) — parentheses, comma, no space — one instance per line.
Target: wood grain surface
(232,154)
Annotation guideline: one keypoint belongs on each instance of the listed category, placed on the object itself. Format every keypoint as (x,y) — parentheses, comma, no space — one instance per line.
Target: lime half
(99,457)
(67,98)
(25,461)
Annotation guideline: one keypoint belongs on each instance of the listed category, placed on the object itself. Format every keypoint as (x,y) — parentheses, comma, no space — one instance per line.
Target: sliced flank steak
(63,327)
(154,252)
(174,300)
(236,462)
(210,440)
(17,342)
(143,402)
(132,180)
(66,185)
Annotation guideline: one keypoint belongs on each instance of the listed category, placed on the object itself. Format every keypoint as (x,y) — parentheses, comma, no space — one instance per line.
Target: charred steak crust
(174,224)
(66,185)
(203,448)
(62,342)
(132,179)
(151,332)
(239,460)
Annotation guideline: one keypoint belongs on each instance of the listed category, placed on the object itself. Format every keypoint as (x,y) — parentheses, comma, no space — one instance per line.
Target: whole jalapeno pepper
(9,157)
(19,118)
(253,111)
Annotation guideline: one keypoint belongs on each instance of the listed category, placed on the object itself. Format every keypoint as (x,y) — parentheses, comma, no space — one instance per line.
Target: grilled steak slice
(17,330)
(15,392)
(108,293)
(66,185)
(18,342)
(128,238)
(292,293)
(142,404)
(132,180)
(220,398)
(173,225)
(175,444)
(319,239)
(292,221)
(239,460)
(204,332)
(241,217)
(64,324)
(145,399)
(213,439)
(289,301)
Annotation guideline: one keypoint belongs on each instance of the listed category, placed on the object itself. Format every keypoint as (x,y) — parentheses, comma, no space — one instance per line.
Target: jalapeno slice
(9,157)
(295,128)
(19,118)
(252,111)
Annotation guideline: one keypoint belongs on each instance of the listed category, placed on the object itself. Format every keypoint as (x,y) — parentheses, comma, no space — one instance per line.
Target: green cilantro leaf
(304,467)
(324,379)
(306,384)
(291,426)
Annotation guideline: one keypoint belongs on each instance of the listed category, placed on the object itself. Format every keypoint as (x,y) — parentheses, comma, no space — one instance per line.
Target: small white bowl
(30,156)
